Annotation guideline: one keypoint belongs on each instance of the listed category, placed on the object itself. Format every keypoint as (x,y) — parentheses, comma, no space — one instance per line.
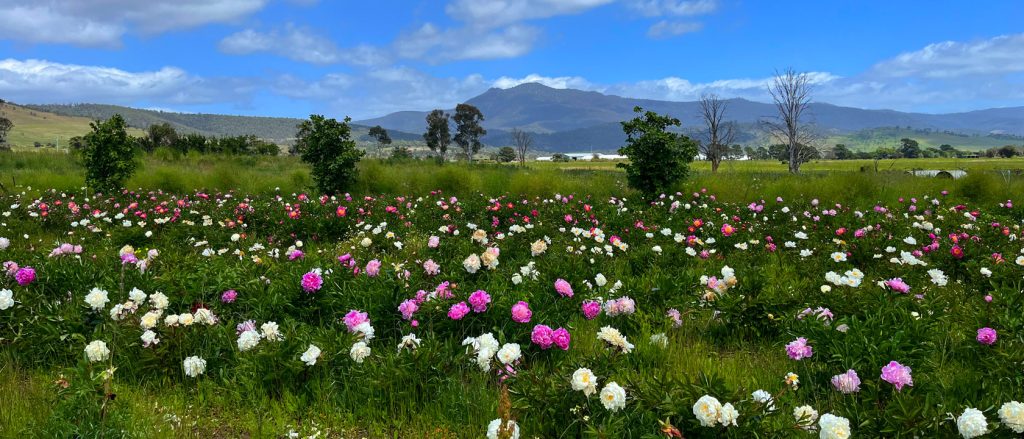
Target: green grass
(32,126)
(889,137)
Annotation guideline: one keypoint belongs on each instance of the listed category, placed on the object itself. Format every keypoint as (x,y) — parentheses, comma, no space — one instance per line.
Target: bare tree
(523,141)
(791,92)
(720,133)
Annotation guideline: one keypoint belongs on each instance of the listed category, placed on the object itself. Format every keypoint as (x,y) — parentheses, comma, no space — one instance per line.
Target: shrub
(657,157)
(109,154)
(327,146)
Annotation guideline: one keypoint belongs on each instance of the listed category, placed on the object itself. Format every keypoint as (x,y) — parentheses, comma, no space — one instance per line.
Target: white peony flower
(248,340)
(727,415)
(805,416)
(833,427)
(509,353)
(707,410)
(149,338)
(613,397)
(583,380)
(150,319)
(97,299)
(359,352)
(137,295)
(97,351)
(764,398)
(614,338)
(6,299)
(194,366)
(1012,416)
(972,423)
(271,332)
(495,425)
(409,341)
(186,319)
(158,300)
(309,357)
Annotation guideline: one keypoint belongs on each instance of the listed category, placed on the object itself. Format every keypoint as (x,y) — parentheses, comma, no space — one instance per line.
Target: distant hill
(32,126)
(277,129)
(573,120)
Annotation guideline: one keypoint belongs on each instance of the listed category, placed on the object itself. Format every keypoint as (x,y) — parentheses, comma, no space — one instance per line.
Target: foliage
(325,145)
(5,127)
(109,155)
(438,134)
(505,154)
(381,137)
(468,130)
(658,158)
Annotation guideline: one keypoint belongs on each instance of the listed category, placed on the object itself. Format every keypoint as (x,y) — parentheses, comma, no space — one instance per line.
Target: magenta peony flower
(563,287)
(311,282)
(355,318)
(897,374)
(798,349)
(987,336)
(521,312)
(561,338)
(542,336)
(458,311)
(408,308)
(373,268)
(25,275)
(229,296)
(591,309)
(479,299)
(847,382)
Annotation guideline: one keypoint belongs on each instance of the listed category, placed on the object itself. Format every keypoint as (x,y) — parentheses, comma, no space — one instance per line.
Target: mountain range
(568,120)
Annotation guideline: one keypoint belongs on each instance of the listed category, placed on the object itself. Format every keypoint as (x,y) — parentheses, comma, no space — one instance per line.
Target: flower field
(431,315)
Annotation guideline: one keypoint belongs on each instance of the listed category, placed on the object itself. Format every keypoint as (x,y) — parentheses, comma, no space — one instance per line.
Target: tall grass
(831,181)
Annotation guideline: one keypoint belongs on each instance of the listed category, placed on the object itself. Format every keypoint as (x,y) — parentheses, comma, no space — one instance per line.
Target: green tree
(506,154)
(909,148)
(192,142)
(438,135)
(1007,151)
(657,158)
(159,135)
(108,155)
(5,127)
(559,157)
(468,130)
(948,150)
(401,153)
(380,135)
(326,145)
(841,152)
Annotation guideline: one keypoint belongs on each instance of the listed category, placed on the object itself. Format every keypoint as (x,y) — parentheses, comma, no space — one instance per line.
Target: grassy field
(873,139)
(37,126)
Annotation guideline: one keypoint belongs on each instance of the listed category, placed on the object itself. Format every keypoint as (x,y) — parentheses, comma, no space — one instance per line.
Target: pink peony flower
(897,284)
(458,311)
(728,229)
(591,309)
(355,318)
(479,299)
(542,336)
(847,382)
(25,275)
(311,282)
(563,287)
(229,296)
(408,308)
(433,242)
(677,318)
(521,312)
(432,268)
(798,349)
(373,268)
(898,375)
(987,336)
(561,338)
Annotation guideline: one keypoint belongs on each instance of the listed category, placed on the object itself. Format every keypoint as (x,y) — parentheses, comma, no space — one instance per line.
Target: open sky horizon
(366,59)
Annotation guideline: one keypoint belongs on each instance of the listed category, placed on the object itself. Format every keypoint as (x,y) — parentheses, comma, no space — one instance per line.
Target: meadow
(220,298)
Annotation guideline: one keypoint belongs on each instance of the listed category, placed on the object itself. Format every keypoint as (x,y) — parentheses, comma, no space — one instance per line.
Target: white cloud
(432,44)
(679,8)
(665,28)
(952,59)
(299,44)
(39,81)
(491,13)
(104,23)
(553,82)
(679,89)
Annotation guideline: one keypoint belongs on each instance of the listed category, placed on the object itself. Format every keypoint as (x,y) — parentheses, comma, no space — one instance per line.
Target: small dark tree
(401,153)
(438,135)
(327,146)
(657,158)
(108,155)
(5,127)
(523,140)
(1007,151)
(559,157)
(380,135)
(505,155)
(841,152)
(159,135)
(909,148)
(468,130)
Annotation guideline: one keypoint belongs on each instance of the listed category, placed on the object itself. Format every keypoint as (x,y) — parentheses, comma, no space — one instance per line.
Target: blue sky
(369,58)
